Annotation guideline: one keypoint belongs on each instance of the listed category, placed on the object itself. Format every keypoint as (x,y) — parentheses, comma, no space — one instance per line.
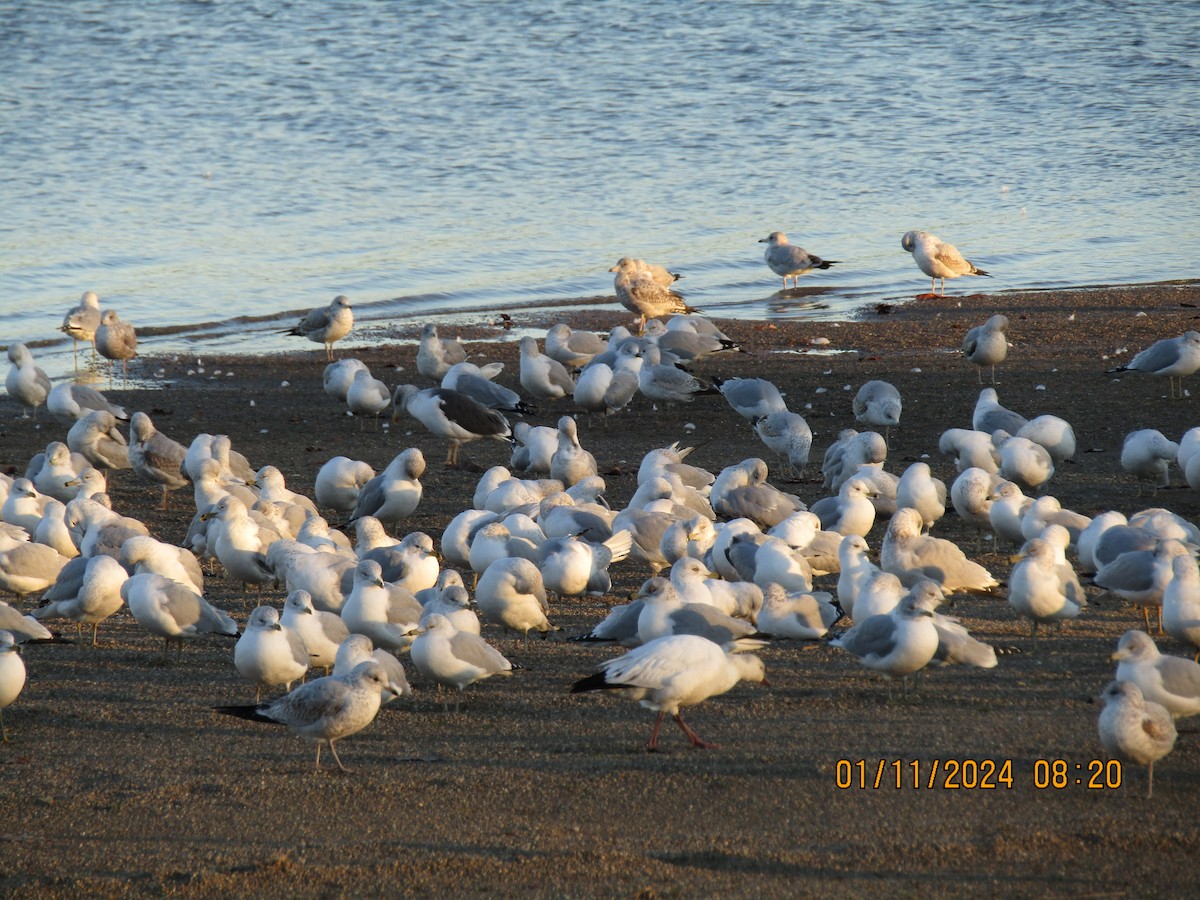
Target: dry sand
(121,780)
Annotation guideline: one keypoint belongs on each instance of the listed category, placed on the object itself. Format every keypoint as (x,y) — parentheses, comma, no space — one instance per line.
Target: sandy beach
(123,781)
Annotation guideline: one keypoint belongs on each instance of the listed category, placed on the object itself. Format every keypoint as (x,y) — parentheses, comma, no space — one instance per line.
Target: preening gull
(911,556)
(751,398)
(511,594)
(1181,603)
(339,376)
(990,416)
(790,260)
(672,672)
(937,259)
(541,376)
(788,434)
(87,591)
(803,616)
(469,379)
(1147,455)
(1134,729)
(394,493)
(81,321)
(326,325)
(68,402)
(642,293)
(96,438)
(155,457)
(367,395)
(340,481)
(1176,357)
(664,612)
(574,349)
(327,709)
(322,632)
(878,403)
(986,345)
(172,610)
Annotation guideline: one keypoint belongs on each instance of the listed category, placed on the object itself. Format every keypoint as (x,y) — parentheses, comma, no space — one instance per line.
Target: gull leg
(336,758)
(319,743)
(1034,633)
(692,736)
(1150,781)
(653,745)
(3,733)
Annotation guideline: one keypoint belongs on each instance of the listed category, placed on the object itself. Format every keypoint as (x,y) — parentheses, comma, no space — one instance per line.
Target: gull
(641,291)
(23,628)
(27,568)
(388,615)
(990,416)
(856,569)
(671,459)
(1053,433)
(573,349)
(316,533)
(239,545)
(1089,538)
(141,553)
(25,382)
(1023,462)
(666,383)
(936,259)
(339,376)
(395,493)
(96,438)
(327,577)
(1147,455)
(357,649)
(802,616)
(970,449)
(533,448)
(268,653)
(326,325)
(775,562)
(53,530)
(436,355)
(570,463)
(1170,681)
(971,497)
(672,672)
(661,274)
(878,403)
(511,594)
(116,340)
(560,516)
(751,398)
(1045,511)
(541,376)
(1037,591)
(910,556)
(172,610)
(605,389)
(69,402)
(367,395)
(571,567)
(1008,508)
(879,595)
(154,457)
(688,577)
(456,659)
(899,643)
(453,602)
(851,512)
(986,345)
(322,632)
(919,490)
(87,591)
(12,676)
(81,322)
(802,531)
(788,435)
(451,415)
(327,709)
(689,345)
(1134,729)
(24,506)
(789,260)
(1141,576)
(1181,603)
(57,471)
(742,491)
(619,626)
(1176,357)
(845,458)
(340,481)
(467,378)
(664,613)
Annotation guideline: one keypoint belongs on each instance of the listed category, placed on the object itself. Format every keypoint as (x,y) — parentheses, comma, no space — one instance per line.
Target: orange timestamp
(973,774)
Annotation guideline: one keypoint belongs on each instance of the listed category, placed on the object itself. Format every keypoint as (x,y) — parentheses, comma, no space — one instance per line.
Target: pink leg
(692,736)
(653,745)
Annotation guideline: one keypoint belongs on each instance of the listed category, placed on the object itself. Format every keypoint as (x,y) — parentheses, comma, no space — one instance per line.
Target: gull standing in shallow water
(326,325)
(116,340)
(672,672)
(789,260)
(937,259)
(645,291)
(1134,729)
(81,322)
(327,709)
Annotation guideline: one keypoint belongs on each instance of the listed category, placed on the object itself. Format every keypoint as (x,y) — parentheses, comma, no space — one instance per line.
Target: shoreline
(124,782)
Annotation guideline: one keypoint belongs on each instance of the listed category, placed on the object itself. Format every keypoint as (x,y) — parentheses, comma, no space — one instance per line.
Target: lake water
(196,161)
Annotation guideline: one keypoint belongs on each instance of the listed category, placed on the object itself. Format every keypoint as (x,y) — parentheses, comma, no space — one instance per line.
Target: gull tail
(620,544)
(593,682)
(978,271)
(251,713)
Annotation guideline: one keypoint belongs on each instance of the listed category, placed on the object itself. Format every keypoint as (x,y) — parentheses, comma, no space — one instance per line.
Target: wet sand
(121,780)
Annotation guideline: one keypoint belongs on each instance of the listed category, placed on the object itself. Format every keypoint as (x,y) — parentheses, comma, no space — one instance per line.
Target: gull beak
(1017,557)
(277,627)
(712,575)
(204,517)
(1118,656)
(74,482)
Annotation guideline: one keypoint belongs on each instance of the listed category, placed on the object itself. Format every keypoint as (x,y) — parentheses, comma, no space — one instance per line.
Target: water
(193,161)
